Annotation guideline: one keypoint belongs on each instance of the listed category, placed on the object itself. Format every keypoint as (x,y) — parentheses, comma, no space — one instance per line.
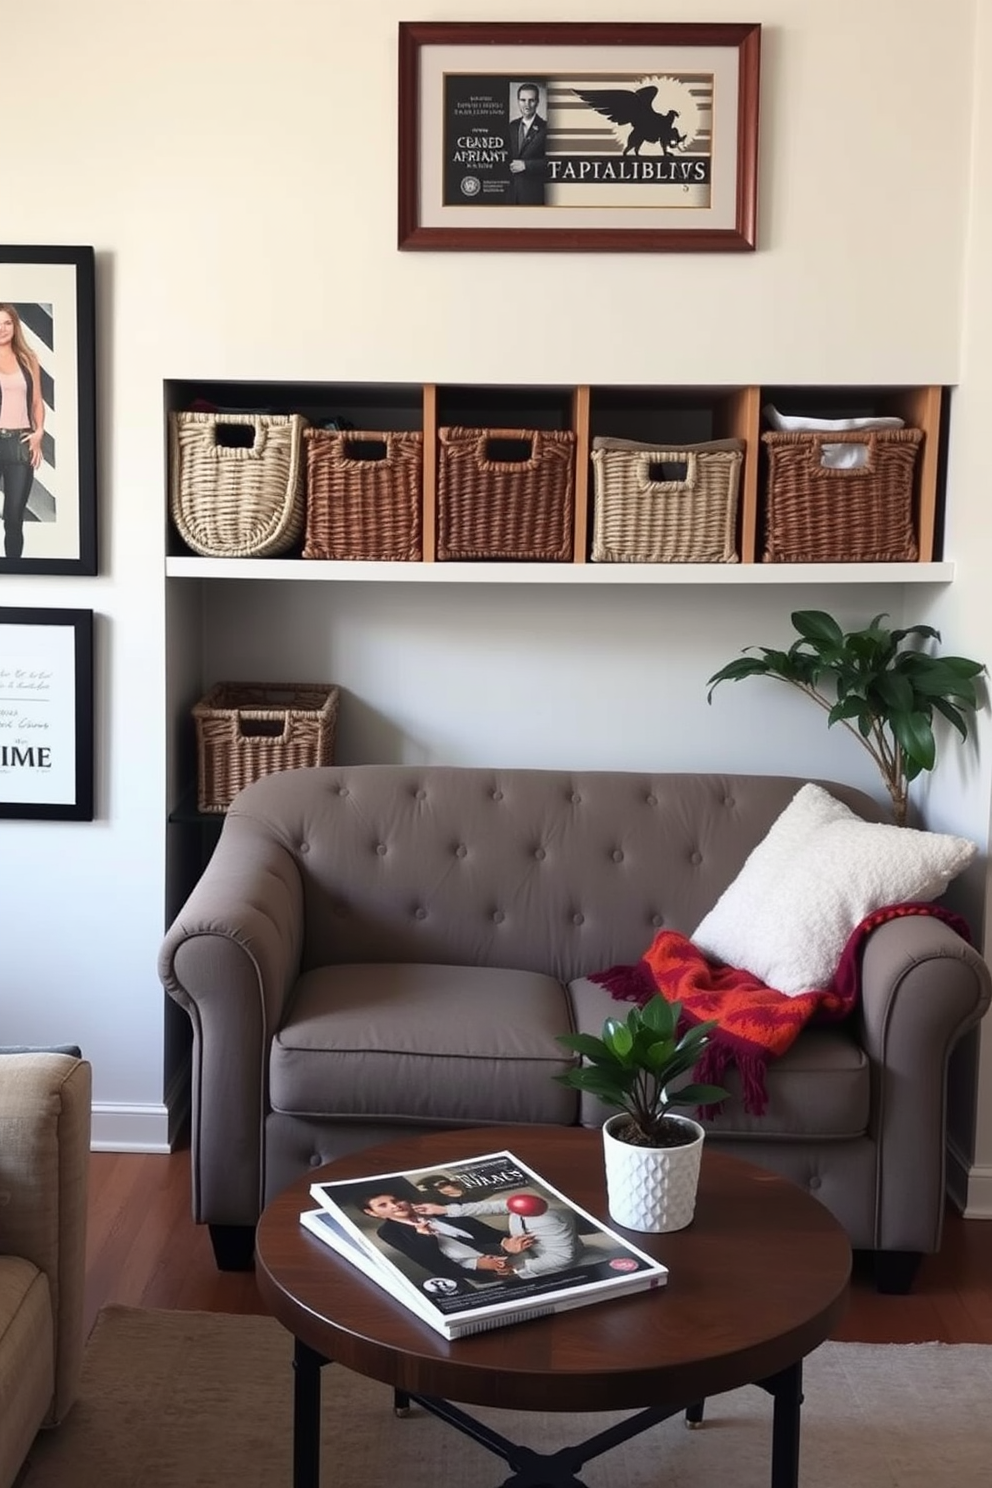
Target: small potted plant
(652,1153)
(879,683)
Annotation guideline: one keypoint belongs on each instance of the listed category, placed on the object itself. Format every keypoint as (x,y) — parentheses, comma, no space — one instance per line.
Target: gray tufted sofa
(379,949)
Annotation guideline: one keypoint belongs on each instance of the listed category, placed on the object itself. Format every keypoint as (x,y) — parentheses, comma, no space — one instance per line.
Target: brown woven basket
(245,730)
(691,518)
(238,501)
(364,508)
(864,514)
(490,507)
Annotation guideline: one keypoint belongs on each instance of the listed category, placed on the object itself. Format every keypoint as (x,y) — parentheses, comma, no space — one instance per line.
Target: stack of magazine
(476,1243)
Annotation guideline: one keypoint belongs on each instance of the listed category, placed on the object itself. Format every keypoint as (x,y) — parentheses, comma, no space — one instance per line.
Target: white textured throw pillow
(789,912)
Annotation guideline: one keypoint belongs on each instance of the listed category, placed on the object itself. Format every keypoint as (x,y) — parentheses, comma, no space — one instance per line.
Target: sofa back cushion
(561,872)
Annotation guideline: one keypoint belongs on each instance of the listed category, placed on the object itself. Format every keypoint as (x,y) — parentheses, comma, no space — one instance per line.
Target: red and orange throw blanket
(754,1022)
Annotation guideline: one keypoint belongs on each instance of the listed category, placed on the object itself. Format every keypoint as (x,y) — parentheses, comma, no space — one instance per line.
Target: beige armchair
(44,1163)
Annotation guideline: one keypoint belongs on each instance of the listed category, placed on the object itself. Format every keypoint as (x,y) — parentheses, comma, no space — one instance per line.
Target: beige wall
(234,165)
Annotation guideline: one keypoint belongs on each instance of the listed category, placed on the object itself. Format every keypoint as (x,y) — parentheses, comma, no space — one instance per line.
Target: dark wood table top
(756,1282)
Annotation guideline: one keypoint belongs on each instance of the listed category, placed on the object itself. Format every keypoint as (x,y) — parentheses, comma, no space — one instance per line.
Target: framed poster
(576,136)
(46,714)
(47,411)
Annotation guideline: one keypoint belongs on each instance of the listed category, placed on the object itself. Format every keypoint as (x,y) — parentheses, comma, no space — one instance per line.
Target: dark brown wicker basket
(491,507)
(245,730)
(864,514)
(364,508)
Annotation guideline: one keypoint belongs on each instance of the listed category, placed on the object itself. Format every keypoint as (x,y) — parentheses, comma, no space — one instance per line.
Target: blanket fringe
(715,1062)
(627,983)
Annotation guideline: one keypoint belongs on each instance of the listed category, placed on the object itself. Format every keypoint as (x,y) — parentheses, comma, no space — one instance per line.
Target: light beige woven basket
(238,500)
(686,517)
(245,730)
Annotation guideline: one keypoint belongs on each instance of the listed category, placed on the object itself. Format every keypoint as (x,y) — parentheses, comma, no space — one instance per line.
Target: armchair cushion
(44,1157)
(818,872)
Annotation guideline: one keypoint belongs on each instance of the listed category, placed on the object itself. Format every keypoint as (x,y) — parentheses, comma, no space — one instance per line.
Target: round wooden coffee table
(756,1282)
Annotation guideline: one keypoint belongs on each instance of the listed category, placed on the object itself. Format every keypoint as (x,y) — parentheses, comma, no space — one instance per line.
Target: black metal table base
(532,1469)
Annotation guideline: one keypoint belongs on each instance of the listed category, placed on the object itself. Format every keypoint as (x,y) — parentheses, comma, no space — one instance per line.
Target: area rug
(201,1400)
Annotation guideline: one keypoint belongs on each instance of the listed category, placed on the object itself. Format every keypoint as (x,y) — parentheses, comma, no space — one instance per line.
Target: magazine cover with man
(481,1241)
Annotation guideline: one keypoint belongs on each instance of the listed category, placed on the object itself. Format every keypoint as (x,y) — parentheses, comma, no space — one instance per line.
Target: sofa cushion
(821,1087)
(27,1365)
(457,1044)
(811,881)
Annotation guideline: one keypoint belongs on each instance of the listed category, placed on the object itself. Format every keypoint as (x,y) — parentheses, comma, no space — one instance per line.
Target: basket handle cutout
(849,457)
(503,451)
(359,448)
(668,476)
(256,726)
(235,435)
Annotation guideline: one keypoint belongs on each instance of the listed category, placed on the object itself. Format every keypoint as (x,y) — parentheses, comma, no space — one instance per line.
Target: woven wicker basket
(489,507)
(238,501)
(245,730)
(364,508)
(689,519)
(863,514)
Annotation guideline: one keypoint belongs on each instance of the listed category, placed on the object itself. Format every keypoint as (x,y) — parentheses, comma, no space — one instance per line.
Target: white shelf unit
(323,572)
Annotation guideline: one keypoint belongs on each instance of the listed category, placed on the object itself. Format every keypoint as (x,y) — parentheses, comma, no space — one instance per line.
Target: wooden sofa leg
(234,1247)
(895,1270)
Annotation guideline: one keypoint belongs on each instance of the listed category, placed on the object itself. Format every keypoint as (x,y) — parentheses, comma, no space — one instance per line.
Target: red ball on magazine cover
(526,1204)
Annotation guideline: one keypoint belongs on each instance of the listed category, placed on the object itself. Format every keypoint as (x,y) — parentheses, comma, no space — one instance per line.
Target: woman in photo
(22,426)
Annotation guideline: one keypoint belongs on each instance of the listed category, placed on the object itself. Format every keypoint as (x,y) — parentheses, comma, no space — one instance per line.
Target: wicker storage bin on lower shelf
(656,503)
(505,493)
(364,494)
(823,513)
(245,730)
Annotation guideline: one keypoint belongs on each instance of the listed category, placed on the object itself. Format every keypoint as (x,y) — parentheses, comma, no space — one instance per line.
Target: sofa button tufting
(380,848)
(540,854)
(814,1183)
(316,1161)
(497,795)
(696,859)
(420,913)
(651,800)
(578,919)
(657,921)
(304,847)
(617,856)
(729,801)
(342,790)
(461,851)
(575,798)
(420,795)
(498,917)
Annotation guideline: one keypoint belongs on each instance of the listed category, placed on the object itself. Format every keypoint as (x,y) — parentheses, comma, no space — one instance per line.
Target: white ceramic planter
(652,1188)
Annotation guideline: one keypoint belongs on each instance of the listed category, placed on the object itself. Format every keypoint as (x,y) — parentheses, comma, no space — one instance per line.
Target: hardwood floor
(145,1251)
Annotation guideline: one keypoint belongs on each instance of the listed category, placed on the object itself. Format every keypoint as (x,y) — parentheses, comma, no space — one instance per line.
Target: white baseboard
(117,1127)
(969,1186)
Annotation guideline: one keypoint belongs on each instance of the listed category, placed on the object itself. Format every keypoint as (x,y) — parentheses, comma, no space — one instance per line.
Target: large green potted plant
(652,1153)
(878,683)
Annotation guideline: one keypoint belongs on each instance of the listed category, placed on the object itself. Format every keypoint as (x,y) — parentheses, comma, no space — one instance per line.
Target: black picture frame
(51,291)
(46,715)
(694,191)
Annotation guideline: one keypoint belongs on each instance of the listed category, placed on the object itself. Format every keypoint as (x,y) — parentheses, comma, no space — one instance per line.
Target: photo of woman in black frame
(22,426)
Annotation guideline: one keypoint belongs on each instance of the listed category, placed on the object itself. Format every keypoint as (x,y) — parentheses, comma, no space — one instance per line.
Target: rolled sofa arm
(922,988)
(230,959)
(45,1118)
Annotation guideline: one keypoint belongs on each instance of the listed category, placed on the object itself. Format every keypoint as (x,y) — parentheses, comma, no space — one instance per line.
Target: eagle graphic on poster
(635,106)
